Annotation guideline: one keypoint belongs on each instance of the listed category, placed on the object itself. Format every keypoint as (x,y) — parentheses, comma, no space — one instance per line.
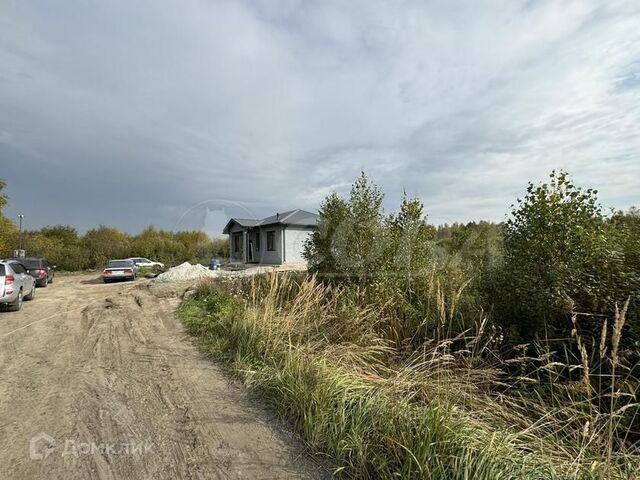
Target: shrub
(350,237)
(105,243)
(8,236)
(559,257)
(8,230)
(393,264)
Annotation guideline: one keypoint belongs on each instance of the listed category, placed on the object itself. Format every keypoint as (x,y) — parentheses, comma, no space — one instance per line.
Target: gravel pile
(186,272)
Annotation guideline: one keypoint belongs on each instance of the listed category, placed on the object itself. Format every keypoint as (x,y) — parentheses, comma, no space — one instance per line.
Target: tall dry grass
(450,408)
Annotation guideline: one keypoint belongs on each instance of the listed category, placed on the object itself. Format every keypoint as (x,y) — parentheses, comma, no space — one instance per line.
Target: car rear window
(18,267)
(2,271)
(120,263)
(30,263)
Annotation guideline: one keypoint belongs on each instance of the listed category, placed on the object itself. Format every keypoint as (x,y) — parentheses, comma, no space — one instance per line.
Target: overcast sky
(179,113)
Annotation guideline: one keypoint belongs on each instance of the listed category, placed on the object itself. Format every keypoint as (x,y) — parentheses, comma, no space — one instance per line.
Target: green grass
(324,370)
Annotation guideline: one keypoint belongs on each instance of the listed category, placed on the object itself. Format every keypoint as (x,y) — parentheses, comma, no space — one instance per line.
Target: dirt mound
(185,272)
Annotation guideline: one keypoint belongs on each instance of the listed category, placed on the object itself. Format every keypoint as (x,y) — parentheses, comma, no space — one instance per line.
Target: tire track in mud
(119,370)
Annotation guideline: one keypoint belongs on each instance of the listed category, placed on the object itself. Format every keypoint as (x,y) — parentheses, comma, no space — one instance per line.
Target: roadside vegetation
(476,351)
(62,246)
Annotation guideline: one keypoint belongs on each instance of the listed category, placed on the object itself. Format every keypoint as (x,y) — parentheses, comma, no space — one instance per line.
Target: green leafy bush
(561,256)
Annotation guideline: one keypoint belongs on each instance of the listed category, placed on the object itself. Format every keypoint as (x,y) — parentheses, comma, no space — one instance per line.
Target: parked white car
(15,285)
(145,262)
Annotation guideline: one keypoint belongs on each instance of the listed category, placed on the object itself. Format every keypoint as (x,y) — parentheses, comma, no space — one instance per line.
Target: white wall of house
(294,238)
(288,243)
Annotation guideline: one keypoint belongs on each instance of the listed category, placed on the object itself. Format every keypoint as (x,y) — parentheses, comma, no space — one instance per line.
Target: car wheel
(45,283)
(17,304)
(32,294)
(51,280)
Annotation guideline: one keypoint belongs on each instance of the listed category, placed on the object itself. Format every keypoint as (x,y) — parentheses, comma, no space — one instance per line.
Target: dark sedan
(39,269)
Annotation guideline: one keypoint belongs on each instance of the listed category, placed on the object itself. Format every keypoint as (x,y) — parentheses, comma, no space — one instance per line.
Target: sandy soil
(114,386)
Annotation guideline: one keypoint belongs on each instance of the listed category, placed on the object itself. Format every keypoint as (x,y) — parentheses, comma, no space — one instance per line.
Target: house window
(258,235)
(271,241)
(237,242)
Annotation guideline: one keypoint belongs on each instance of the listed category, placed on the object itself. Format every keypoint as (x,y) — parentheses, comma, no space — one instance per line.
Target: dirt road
(100,381)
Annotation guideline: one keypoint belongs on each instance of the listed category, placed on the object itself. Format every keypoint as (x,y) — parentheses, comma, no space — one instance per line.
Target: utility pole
(20,217)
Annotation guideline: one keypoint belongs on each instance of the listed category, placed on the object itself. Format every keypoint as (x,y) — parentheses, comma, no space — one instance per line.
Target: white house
(273,240)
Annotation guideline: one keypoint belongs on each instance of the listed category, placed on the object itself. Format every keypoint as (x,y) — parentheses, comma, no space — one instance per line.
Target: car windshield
(30,262)
(119,263)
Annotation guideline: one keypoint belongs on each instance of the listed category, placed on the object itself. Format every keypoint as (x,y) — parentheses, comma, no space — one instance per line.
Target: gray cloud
(131,113)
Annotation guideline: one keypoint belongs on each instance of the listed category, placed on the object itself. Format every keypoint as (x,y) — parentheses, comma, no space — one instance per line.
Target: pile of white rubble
(185,272)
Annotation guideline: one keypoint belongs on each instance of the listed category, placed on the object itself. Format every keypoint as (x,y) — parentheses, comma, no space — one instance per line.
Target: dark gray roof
(292,217)
(300,218)
(246,222)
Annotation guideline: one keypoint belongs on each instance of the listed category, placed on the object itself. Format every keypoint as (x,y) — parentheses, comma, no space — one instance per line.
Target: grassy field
(451,409)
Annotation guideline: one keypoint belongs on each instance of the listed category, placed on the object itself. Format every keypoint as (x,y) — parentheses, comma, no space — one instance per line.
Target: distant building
(273,240)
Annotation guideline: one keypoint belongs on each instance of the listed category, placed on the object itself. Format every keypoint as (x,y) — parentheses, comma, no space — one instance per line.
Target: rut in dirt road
(118,391)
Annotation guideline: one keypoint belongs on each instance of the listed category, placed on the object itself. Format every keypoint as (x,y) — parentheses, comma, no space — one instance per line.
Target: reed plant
(451,408)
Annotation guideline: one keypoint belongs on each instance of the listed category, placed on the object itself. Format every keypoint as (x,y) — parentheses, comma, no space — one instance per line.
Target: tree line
(64,247)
